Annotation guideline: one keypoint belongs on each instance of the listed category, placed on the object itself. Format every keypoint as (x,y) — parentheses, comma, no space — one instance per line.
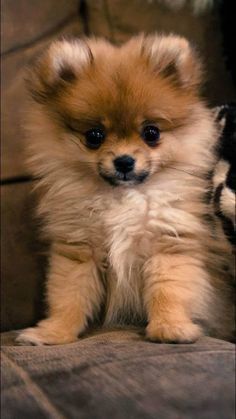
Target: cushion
(28,27)
(23,258)
(24,21)
(118,374)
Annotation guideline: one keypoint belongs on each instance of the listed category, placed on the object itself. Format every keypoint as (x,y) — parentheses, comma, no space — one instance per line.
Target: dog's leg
(176,290)
(74,293)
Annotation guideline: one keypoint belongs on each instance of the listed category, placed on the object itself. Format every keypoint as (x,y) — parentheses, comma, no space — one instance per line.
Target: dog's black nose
(124,164)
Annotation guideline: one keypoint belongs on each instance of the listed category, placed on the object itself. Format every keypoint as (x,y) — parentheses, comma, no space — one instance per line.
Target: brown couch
(106,373)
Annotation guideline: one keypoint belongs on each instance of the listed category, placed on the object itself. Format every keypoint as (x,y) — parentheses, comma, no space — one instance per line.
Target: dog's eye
(94,137)
(151,135)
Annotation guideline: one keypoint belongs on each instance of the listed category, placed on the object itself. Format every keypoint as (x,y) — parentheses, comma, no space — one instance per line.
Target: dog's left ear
(172,57)
(57,67)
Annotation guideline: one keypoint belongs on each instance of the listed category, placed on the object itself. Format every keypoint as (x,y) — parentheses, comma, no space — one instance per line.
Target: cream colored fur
(144,250)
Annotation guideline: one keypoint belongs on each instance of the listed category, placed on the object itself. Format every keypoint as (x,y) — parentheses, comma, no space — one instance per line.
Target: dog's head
(117,114)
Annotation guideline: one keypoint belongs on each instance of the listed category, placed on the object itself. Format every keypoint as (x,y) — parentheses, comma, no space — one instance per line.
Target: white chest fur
(126,226)
(133,225)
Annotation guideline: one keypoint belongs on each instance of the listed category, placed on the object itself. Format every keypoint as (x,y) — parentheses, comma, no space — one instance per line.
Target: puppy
(122,144)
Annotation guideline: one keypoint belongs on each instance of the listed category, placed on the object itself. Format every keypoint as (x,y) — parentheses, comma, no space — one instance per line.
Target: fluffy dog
(122,146)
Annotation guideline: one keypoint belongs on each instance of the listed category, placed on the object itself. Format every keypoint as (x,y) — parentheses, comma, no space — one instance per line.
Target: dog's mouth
(117,178)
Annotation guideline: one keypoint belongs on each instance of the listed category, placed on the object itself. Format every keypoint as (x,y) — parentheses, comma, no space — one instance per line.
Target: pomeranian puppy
(122,146)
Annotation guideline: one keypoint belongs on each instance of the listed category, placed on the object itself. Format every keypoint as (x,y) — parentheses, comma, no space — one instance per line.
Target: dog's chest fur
(131,228)
(131,223)
(125,228)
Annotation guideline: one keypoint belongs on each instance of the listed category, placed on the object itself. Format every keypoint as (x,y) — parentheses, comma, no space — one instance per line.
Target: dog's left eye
(151,135)
(94,138)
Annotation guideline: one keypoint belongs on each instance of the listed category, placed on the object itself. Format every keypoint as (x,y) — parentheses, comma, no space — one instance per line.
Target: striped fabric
(224,176)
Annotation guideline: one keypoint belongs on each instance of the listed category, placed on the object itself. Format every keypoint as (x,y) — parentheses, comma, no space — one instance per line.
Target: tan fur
(145,250)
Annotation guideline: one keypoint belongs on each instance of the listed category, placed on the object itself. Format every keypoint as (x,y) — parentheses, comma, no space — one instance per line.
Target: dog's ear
(172,57)
(60,65)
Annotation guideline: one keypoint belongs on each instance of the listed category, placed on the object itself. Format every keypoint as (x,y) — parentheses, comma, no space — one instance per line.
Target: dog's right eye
(94,138)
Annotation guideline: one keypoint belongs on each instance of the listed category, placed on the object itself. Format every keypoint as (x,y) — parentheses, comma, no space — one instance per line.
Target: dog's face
(117,114)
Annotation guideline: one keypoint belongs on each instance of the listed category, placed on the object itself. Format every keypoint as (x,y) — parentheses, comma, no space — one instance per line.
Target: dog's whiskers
(185,171)
(181,163)
(75,142)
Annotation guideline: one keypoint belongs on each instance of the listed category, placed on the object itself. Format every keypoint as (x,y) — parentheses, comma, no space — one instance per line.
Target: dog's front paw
(169,332)
(41,335)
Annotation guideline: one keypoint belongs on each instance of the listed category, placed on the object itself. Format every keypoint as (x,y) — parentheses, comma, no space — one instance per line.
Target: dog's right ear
(59,66)
(174,58)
